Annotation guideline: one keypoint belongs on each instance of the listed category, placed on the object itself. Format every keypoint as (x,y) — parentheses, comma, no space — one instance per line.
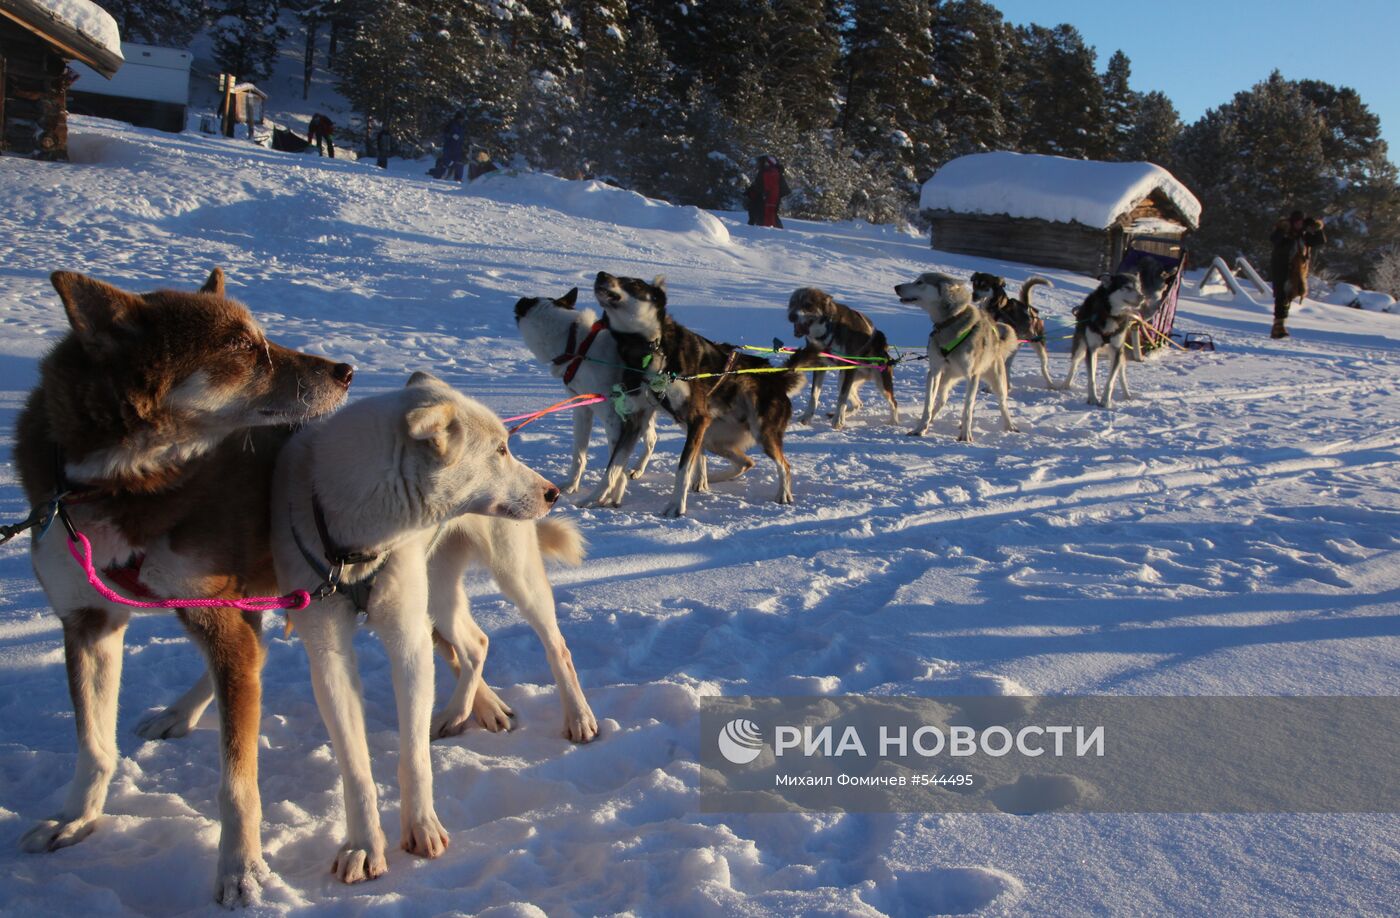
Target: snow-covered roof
(82,28)
(1053,188)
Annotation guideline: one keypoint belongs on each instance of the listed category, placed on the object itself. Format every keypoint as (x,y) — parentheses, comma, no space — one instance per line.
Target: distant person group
(452,162)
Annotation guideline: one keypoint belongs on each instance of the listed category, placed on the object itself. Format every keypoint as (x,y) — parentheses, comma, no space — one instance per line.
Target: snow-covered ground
(1232,531)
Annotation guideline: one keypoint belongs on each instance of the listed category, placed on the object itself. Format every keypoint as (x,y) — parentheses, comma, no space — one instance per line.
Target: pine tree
(158,22)
(1121,106)
(969,64)
(800,60)
(1256,157)
(889,83)
(1155,132)
(1061,95)
(246,36)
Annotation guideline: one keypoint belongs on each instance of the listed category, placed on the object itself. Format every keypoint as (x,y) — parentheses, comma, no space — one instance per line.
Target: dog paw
(425,838)
(581,727)
(448,723)
(491,712)
(569,489)
(964,438)
(52,834)
(1012,428)
(355,864)
(838,424)
(240,885)
(171,723)
(673,511)
(917,432)
(635,474)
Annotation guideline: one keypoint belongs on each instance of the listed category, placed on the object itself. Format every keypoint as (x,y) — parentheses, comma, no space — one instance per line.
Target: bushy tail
(1008,341)
(807,356)
(560,540)
(1030,284)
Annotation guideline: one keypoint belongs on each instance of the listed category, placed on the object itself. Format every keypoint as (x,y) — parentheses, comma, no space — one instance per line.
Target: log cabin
(37,40)
(1056,212)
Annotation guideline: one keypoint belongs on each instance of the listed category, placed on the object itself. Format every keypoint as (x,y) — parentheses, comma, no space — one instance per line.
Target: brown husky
(162,415)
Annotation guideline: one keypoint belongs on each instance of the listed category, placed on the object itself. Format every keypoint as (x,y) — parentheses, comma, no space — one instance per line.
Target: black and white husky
(724,413)
(836,328)
(578,349)
(1105,319)
(989,292)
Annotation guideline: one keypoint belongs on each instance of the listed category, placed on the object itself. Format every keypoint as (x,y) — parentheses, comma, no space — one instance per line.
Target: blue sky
(1201,53)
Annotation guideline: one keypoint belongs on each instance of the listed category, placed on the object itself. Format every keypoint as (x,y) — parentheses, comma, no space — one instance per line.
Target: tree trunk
(312,27)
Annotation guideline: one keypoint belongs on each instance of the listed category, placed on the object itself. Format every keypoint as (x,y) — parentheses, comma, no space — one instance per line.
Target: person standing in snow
(320,132)
(1294,238)
(383,146)
(766,193)
(454,145)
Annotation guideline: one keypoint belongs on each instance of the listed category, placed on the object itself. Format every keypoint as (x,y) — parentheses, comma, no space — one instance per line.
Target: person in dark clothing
(320,132)
(1294,239)
(454,146)
(766,192)
(383,146)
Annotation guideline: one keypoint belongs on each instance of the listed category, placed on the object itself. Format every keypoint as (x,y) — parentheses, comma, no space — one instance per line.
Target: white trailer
(151,90)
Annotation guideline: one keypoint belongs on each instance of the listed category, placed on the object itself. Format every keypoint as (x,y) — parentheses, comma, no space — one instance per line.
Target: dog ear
(1001,281)
(429,424)
(96,311)
(423,378)
(215,283)
(568,299)
(956,292)
(659,281)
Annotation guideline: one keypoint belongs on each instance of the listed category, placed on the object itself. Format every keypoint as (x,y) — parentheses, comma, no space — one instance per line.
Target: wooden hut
(1056,212)
(37,39)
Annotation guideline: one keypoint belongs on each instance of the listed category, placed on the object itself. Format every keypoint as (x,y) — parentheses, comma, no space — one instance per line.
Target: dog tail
(561,540)
(808,355)
(1008,340)
(1030,284)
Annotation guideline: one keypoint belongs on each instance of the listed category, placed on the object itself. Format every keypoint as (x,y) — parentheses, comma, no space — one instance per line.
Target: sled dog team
(197,458)
(726,400)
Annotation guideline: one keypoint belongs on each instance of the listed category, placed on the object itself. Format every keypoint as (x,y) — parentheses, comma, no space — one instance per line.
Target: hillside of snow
(1234,530)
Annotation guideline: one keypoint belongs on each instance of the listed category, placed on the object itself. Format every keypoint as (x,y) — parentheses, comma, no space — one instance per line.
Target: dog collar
(337,556)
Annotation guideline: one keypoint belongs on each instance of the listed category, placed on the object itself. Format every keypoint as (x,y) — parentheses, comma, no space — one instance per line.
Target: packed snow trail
(1232,530)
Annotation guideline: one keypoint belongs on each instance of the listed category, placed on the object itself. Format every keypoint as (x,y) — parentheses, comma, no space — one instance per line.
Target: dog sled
(1159,309)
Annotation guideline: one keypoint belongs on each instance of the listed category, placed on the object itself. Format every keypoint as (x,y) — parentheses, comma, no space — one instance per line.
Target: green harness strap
(946,351)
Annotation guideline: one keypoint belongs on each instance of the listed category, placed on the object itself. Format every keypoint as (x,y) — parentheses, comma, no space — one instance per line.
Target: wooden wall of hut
(33,116)
(1029,241)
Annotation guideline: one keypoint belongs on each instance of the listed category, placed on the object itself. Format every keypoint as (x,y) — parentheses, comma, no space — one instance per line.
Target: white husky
(580,350)
(396,494)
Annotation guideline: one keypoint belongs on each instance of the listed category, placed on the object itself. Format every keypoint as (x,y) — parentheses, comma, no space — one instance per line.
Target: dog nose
(551,495)
(343,373)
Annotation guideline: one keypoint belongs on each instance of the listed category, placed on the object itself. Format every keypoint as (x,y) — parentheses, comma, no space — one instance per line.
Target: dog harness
(947,351)
(575,353)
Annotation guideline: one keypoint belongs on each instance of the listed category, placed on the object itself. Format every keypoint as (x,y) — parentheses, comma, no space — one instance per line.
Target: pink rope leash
(296,600)
(578,401)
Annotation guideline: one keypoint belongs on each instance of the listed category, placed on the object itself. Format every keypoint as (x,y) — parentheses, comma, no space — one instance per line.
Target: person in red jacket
(766,193)
(320,132)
